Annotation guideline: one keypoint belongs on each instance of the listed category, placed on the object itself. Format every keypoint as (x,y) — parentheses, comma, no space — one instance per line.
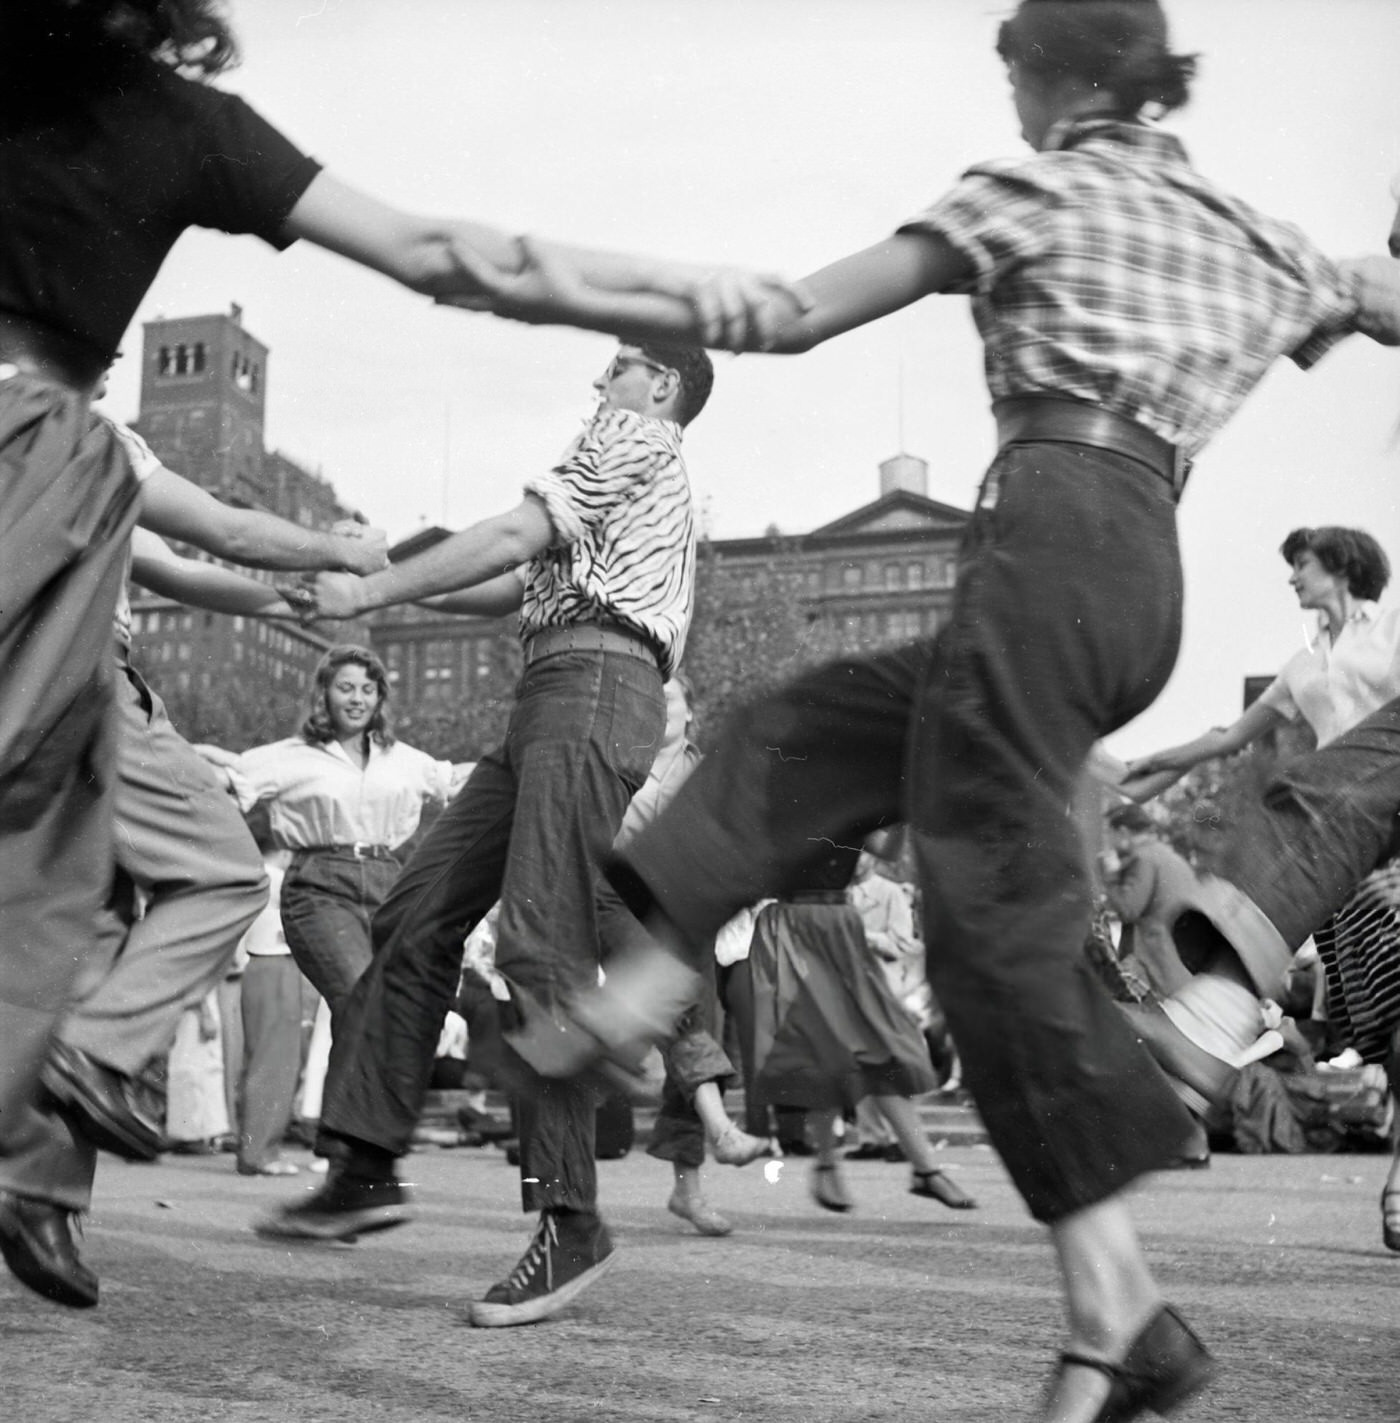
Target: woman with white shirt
(1348,671)
(343,795)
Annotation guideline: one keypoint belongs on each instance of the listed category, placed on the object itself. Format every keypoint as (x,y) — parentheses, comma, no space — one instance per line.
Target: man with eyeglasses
(599,558)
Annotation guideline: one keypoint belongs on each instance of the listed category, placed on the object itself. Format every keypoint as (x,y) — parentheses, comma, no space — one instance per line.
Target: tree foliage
(751,631)
(235,712)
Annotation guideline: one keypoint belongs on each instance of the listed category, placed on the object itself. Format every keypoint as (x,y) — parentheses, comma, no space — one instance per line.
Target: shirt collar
(1147,139)
(1359,611)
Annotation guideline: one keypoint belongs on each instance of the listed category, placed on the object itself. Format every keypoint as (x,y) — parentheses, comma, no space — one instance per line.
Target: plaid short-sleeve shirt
(1106,269)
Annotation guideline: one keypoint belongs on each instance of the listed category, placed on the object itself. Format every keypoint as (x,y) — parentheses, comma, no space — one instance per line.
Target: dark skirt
(1360,952)
(827,1030)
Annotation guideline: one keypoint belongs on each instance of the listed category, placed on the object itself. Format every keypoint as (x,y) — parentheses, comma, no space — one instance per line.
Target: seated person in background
(1148,886)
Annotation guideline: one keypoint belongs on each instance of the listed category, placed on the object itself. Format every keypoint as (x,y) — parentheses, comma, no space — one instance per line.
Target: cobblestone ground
(900,1311)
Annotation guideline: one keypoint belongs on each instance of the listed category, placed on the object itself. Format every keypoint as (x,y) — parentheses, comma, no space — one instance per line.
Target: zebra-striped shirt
(624,535)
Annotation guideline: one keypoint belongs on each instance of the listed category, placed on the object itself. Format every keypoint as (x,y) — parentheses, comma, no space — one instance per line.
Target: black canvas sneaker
(569,1251)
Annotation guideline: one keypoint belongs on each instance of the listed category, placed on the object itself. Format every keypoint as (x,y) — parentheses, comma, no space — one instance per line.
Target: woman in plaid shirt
(1127,307)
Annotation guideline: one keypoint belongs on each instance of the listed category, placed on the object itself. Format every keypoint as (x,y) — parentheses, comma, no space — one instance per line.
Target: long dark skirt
(827,1030)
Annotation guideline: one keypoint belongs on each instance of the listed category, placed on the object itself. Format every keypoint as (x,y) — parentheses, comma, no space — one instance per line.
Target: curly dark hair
(318,728)
(1345,553)
(695,369)
(77,44)
(1117,45)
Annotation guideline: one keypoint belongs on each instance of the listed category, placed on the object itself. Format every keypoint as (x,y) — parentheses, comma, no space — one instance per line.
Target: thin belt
(360,849)
(1023,419)
(590,637)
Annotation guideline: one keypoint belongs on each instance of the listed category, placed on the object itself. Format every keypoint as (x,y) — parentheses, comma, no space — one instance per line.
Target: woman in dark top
(110,146)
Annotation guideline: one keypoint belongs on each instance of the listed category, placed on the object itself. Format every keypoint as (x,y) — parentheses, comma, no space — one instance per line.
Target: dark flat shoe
(1164,1366)
(938,1187)
(101,1102)
(829,1190)
(36,1239)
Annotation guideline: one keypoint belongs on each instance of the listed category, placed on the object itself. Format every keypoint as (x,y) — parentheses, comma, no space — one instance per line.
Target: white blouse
(318,796)
(1334,685)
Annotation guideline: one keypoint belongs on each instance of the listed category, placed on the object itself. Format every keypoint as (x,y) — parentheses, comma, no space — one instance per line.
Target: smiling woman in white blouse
(1347,671)
(343,795)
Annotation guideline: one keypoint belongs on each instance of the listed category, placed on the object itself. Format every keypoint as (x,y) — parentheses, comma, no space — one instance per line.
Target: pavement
(900,1311)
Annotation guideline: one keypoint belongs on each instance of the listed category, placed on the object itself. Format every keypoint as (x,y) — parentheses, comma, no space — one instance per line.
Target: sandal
(1390,1218)
(828,1189)
(1163,1367)
(938,1187)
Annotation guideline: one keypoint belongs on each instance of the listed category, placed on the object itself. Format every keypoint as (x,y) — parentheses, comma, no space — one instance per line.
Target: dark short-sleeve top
(94,194)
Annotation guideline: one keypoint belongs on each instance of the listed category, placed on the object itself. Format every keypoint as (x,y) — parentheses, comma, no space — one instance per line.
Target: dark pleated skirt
(828,1031)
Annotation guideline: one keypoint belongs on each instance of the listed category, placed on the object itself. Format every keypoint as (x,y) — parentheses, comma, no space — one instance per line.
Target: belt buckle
(360,848)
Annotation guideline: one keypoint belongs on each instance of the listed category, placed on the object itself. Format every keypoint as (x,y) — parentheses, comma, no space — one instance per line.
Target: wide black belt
(590,637)
(1024,419)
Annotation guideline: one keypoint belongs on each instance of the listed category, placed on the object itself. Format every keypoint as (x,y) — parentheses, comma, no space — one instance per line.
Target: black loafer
(36,1239)
(101,1102)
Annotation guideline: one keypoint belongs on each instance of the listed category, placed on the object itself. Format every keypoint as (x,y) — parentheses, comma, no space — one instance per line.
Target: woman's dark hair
(317,727)
(695,369)
(1117,45)
(1345,553)
(76,44)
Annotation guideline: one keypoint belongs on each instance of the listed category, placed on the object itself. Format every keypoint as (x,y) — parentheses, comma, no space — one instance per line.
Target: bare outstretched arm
(177,509)
(449,258)
(1149,775)
(545,286)
(158,568)
(475,558)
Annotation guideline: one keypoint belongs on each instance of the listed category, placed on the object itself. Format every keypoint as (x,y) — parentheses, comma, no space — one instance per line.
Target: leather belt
(1025,419)
(590,637)
(360,849)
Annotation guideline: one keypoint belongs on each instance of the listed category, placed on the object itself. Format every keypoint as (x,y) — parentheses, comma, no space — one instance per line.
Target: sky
(781,134)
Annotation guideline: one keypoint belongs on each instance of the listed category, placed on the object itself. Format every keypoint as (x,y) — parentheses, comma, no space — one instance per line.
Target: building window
(182,359)
(893,578)
(245,372)
(851,576)
(915,575)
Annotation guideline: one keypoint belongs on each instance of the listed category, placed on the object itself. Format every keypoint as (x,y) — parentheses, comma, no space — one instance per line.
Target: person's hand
(540,287)
(337,596)
(738,310)
(733,309)
(1375,281)
(1144,787)
(300,598)
(367,548)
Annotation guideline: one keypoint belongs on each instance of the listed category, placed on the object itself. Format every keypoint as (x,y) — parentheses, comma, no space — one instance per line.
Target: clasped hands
(366,551)
(323,597)
(732,309)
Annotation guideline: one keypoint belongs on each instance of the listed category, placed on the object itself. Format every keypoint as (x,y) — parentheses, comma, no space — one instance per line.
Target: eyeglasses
(620,364)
